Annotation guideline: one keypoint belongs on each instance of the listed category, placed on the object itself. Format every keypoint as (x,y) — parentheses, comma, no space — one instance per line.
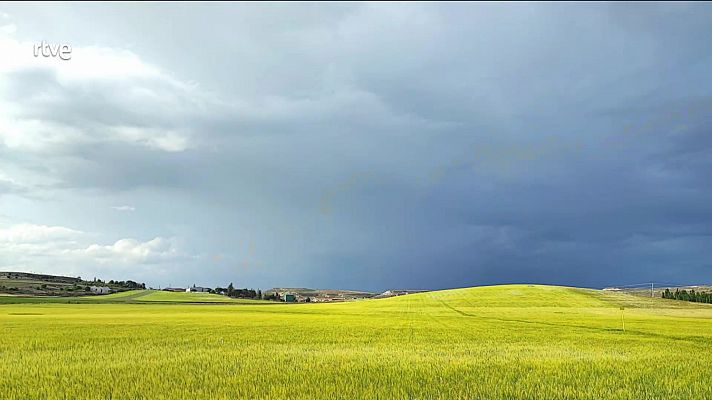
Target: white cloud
(65,251)
(37,93)
(92,63)
(131,251)
(30,233)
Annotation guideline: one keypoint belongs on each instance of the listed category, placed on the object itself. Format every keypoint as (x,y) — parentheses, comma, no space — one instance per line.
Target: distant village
(294,295)
(26,283)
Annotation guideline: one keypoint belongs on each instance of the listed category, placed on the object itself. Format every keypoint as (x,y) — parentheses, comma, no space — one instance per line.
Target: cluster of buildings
(191,289)
(304,295)
(328,298)
(197,289)
(296,297)
(293,297)
(399,292)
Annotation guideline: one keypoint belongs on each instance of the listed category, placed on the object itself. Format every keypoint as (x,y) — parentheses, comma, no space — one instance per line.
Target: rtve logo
(63,51)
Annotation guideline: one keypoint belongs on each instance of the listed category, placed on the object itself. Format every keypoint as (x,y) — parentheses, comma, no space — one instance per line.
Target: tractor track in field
(701,340)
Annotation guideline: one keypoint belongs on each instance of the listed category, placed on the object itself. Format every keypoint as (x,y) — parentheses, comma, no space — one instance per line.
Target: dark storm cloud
(421,145)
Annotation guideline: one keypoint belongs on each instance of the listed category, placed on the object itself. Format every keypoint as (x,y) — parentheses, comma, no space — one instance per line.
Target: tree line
(230,291)
(692,295)
(129,284)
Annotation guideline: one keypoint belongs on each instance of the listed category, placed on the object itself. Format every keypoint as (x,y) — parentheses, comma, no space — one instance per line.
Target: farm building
(290,298)
(197,289)
(100,289)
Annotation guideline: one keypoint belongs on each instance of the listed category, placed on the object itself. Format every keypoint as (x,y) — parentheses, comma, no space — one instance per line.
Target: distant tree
(692,295)
(230,290)
(259,294)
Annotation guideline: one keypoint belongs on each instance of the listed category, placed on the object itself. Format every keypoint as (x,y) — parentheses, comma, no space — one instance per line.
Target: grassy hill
(498,342)
(29,284)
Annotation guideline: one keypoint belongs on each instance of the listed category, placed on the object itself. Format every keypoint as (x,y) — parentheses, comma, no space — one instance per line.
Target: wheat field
(496,342)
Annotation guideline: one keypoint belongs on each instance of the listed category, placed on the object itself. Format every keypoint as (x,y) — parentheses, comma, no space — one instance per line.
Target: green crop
(500,342)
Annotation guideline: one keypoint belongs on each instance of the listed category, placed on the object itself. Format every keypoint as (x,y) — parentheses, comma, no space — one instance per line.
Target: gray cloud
(373,146)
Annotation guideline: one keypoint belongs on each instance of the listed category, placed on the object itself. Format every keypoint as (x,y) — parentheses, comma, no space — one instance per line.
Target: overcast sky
(358,146)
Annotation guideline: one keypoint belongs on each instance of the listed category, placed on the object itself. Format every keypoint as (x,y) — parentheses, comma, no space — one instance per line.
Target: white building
(197,289)
(100,289)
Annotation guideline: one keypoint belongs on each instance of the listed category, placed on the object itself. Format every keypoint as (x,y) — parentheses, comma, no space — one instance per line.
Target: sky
(360,145)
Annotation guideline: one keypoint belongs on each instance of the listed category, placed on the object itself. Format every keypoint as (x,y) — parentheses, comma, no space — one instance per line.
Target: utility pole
(652,286)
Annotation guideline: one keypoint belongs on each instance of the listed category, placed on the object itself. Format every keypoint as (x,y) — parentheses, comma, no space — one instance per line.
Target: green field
(499,342)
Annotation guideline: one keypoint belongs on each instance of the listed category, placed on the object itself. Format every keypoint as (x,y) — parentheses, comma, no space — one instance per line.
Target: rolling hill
(497,342)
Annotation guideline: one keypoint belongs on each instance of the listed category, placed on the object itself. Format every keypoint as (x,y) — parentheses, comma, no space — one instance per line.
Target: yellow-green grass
(127,295)
(501,342)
